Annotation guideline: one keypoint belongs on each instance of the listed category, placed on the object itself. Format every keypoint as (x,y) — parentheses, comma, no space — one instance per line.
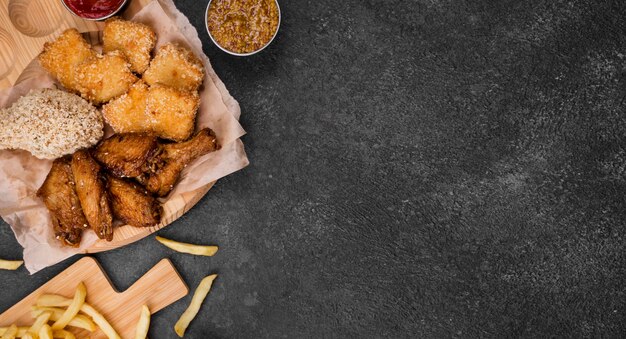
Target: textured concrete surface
(431,168)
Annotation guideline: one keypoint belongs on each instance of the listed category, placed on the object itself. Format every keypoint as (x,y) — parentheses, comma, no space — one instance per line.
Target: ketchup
(93,9)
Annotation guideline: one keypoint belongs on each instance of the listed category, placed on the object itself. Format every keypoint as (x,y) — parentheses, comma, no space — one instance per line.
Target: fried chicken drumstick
(58,192)
(164,169)
(90,187)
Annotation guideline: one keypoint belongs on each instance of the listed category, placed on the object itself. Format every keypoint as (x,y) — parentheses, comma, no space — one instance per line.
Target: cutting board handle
(159,287)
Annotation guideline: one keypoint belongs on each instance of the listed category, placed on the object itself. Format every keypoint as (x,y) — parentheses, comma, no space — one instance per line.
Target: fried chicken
(104,78)
(94,200)
(175,66)
(134,40)
(62,56)
(50,123)
(125,155)
(163,111)
(59,195)
(165,168)
(132,204)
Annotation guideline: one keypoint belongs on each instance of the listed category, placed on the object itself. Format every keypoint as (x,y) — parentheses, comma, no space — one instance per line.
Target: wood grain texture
(158,288)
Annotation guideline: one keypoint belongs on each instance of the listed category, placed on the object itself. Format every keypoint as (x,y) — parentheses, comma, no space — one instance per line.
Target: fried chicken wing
(160,110)
(62,56)
(133,39)
(165,168)
(105,77)
(132,204)
(94,200)
(125,154)
(58,192)
(175,66)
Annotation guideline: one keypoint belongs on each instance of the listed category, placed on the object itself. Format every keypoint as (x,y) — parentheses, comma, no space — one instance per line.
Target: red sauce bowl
(94,9)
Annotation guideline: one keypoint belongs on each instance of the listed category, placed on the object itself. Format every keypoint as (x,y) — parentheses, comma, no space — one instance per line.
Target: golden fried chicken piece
(163,111)
(94,200)
(61,56)
(125,154)
(58,192)
(175,66)
(134,40)
(165,168)
(104,78)
(132,204)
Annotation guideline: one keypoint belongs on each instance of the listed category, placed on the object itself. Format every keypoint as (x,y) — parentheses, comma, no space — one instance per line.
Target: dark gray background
(430,168)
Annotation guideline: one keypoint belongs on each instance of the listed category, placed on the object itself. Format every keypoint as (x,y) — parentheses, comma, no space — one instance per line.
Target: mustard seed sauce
(242,26)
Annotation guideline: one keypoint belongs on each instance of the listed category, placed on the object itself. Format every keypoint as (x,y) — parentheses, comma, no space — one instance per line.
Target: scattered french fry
(196,301)
(80,321)
(26,336)
(72,310)
(63,334)
(45,332)
(10,332)
(10,264)
(188,248)
(143,324)
(53,300)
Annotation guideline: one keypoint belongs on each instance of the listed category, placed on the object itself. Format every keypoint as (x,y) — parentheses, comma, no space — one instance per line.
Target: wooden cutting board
(158,288)
(25,25)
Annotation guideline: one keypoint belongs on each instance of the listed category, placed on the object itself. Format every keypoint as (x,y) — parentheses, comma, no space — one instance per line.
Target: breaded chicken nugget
(127,113)
(160,110)
(61,56)
(104,78)
(175,66)
(172,113)
(134,40)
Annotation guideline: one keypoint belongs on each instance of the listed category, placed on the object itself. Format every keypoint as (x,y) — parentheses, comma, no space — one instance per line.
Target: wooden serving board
(25,25)
(158,288)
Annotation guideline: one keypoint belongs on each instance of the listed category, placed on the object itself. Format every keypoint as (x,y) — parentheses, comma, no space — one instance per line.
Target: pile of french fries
(53,313)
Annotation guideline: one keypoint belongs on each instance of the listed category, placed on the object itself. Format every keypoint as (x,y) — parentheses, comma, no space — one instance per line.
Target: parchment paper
(21,174)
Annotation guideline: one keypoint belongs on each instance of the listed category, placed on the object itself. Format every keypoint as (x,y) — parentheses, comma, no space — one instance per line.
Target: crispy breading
(160,110)
(61,56)
(132,204)
(104,78)
(133,39)
(175,66)
(90,188)
(164,169)
(50,123)
(58,192)
(172,113)
(125,154)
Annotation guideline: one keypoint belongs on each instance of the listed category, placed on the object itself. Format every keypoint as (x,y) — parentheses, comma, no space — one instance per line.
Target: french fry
(80,321)
(53,300)
(188,248)
(45,332)
(10,332)
(143,324)
(196,301)
(10,264)
(21,331)
(63,334)
(26,336)
(72,310)
(41,320)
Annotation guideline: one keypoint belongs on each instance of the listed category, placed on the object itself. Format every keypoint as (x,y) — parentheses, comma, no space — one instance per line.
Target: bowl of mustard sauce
(242,27)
